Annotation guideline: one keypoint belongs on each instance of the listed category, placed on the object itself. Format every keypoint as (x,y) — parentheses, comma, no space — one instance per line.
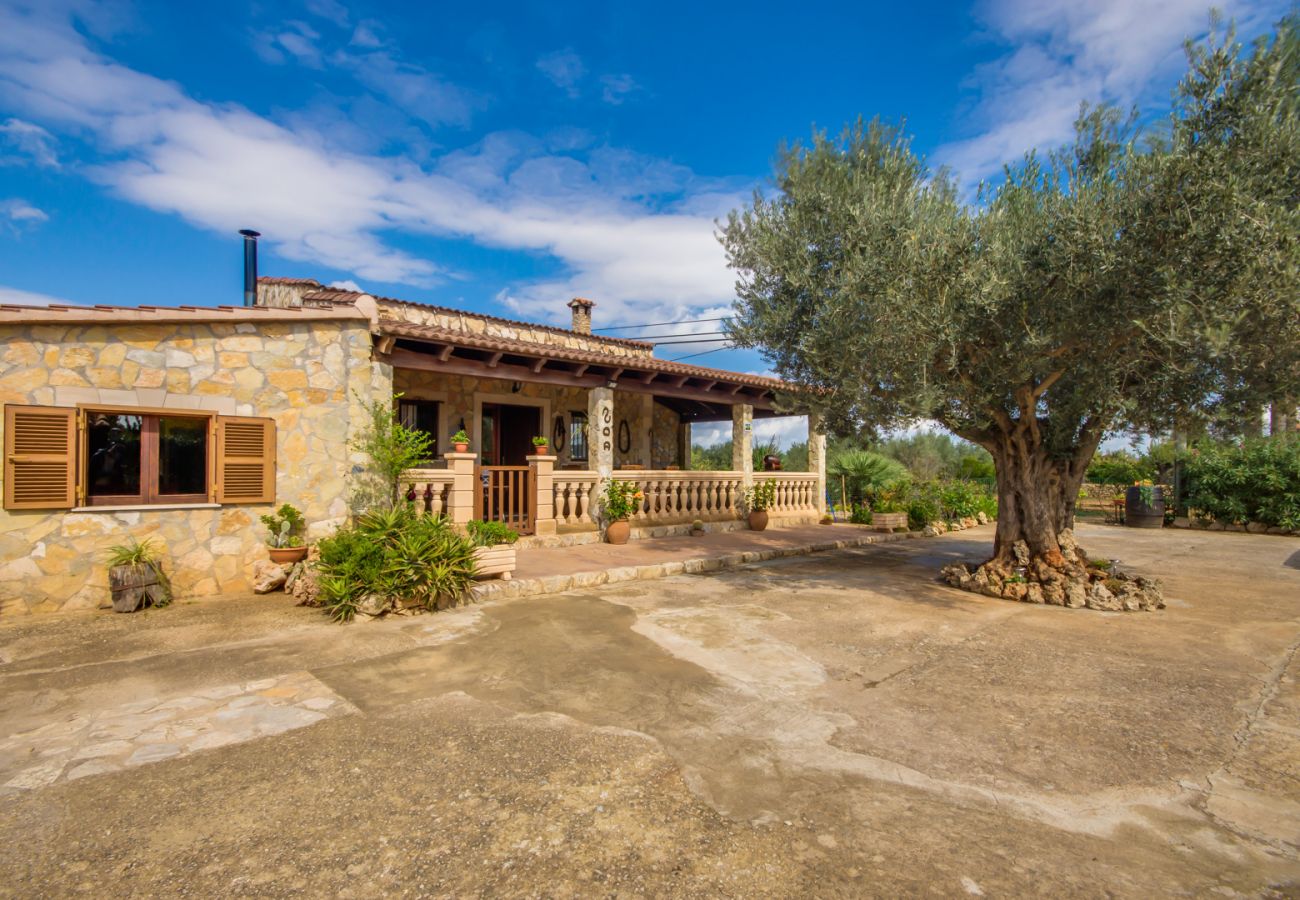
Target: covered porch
(617,414)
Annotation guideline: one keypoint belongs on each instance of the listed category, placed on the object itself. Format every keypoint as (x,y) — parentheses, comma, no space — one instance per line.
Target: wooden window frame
(149,452)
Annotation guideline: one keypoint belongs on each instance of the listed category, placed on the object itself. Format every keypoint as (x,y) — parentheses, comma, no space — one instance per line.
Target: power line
(659,324)
(701,353)
(701,340)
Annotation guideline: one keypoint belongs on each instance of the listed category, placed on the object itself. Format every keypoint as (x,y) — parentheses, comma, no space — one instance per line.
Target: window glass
(578,435)
(113,446)
(182,455)
(422,416)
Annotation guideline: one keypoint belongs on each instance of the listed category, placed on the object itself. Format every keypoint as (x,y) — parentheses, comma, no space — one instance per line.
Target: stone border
(1248,528)
(557,584)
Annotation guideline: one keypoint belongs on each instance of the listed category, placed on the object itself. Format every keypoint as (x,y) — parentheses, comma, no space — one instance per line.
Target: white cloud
(1062,52)
(329,9)
(632,232)
(296,40)
(29,298)
(616,88)
(783,431)
(346,285)
(564,68)
(18,215)
(22,142)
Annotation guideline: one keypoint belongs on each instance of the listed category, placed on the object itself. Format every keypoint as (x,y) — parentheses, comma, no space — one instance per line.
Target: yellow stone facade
(311,376)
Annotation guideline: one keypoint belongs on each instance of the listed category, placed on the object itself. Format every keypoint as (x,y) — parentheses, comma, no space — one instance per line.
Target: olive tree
(1114,283)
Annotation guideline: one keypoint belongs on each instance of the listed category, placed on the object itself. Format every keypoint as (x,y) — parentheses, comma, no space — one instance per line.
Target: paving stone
(153,753)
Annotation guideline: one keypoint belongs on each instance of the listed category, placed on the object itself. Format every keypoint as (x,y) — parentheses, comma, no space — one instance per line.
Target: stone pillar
(817,458)
(544,499)
(600,421)
(460,500)
(644,435)
(742,442)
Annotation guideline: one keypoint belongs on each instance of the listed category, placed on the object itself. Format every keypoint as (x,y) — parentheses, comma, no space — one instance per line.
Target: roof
(68,314)
(342,295)
(528,348)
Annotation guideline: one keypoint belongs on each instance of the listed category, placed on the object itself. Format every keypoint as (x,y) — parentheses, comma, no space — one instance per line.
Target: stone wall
(311,377)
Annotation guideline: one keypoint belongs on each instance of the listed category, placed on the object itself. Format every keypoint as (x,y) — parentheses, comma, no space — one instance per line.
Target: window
(60,457)
(422,416)
(577,435)
(132,459)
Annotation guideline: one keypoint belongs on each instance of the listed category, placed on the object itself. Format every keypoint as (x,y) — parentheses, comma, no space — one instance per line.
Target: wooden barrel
(1142,515)
(135,586)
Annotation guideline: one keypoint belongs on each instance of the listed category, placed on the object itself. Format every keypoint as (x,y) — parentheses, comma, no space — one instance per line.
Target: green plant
(861,514)
(284,525)
(396,556)
(1117,468)
(486,534)
(697,525)
(621,499)
(541,440)
(142,553)
(760,496)
(1258,481)
(392,448)
(867,474)
(460,437)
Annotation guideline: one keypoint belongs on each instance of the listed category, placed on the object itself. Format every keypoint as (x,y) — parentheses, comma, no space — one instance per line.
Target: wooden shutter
(40,457)
(245,460)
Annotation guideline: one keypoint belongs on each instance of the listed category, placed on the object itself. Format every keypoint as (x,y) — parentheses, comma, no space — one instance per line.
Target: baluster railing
(573,498)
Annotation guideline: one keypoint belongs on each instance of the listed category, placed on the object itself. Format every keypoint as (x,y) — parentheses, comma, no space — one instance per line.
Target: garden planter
(758,520)
(287,556)
(618,531)
(134,587)
(541,450)
(883,521)
(1143,515)
(496,560)
(461,448)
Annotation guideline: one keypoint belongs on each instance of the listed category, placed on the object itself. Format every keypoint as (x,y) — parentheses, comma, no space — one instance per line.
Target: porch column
(817,458)
(544,500)
(645,440)
(684,444)
(600,442)
(742,442)
(460,499)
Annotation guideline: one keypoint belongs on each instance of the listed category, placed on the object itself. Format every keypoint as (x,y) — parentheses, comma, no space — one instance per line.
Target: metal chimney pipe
(250,266)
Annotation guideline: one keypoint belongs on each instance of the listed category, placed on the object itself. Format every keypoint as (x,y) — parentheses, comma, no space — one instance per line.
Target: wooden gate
(505,495)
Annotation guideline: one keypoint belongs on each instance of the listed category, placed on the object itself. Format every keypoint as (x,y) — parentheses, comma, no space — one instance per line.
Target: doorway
(508,432)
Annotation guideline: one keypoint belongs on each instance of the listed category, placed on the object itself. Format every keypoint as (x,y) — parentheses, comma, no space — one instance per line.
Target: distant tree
(1107,285)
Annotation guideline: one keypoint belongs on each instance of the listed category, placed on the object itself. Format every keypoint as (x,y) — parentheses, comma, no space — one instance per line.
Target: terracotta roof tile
(567,354)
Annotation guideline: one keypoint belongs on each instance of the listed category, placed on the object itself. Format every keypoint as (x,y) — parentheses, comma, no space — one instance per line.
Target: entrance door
(506,484)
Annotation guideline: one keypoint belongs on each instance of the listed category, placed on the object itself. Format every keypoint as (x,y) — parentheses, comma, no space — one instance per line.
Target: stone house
(185,424)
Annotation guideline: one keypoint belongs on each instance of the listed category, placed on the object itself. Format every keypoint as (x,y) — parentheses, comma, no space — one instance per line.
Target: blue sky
(501,157)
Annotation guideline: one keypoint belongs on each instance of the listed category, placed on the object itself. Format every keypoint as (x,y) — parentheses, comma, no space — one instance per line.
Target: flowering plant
(621,499)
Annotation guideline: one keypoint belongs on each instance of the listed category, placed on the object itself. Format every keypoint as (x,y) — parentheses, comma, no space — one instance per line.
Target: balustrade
(573,497)
(431,488)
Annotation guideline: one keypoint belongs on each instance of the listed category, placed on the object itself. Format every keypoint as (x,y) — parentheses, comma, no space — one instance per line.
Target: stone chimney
(281,293)
(581,314)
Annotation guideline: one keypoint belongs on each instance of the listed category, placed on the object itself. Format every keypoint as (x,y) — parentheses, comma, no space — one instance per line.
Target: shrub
(485,534)
(1256,482)
(861,515)
(760,496)
(621,499)
(1117,468)
(396,556)
(392,448)
(934,501)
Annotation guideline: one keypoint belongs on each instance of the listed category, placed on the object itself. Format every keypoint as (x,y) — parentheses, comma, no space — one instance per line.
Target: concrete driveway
(839,724)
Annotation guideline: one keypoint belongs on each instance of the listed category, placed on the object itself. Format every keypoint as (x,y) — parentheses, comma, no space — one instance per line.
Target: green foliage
(541,440)
(1256,482)
(760,496)
(392,448)
(284,525)
(485,534)
(460,437)
(1112,283)
(142,553)
(861,515)
(930,454)
(866,474)
(717,458)
(938,501)
(1118,467)
(621,499)
(398,556)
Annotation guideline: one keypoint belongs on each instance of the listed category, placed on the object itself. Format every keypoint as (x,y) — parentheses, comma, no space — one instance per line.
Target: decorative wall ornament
(624,436)
(558,434)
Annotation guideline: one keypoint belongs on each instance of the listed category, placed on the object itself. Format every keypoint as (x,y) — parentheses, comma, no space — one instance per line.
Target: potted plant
(494,548)
(541,445)
(460,441)
(758,500)
(622,498)
(135,577)
(284,543)
(888,515)
(827,519)
(697,528)
(1144,505)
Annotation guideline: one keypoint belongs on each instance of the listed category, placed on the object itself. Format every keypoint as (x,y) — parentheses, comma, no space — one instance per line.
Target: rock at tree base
(267,577)
(1059,579)
(305,588)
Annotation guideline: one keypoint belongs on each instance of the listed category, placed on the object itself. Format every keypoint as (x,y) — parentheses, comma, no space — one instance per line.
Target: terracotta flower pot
(461,448)
(618,531)
(758,520)
(286,556)
(541,450)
